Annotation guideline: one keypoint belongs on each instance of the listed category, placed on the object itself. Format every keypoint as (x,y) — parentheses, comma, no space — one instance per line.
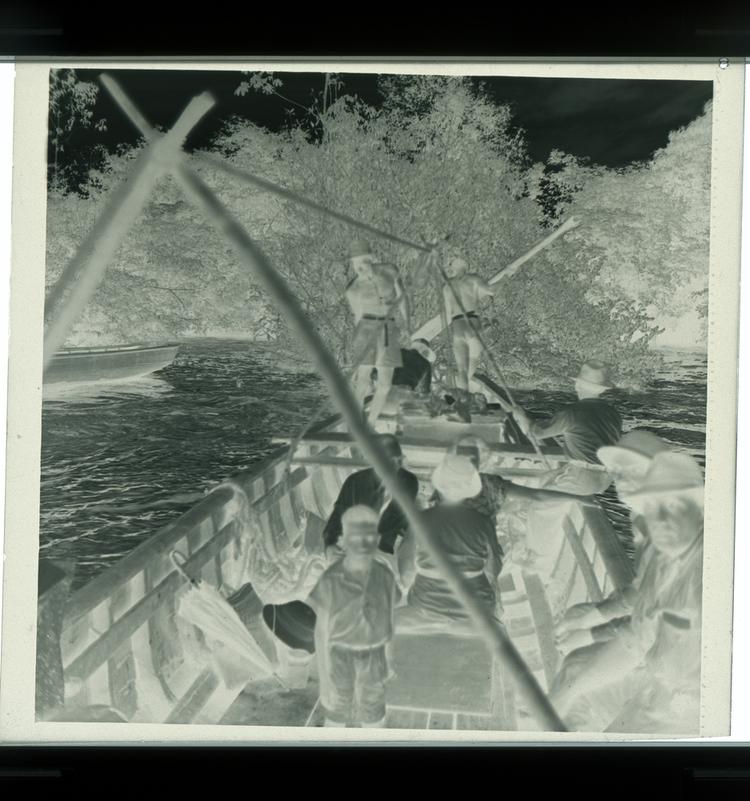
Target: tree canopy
(438,159)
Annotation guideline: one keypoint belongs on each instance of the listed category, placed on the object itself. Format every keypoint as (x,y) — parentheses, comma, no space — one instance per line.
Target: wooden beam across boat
(426,443)
(360,464)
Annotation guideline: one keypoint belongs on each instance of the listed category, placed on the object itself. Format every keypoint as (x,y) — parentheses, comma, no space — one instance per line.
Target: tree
(437,160)
(71,103)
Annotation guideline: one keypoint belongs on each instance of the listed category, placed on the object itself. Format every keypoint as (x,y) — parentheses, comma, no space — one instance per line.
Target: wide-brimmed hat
(456,478)
(594,373)
(670,474)
(293,623)
(422,346)
(633,452)
(359,247)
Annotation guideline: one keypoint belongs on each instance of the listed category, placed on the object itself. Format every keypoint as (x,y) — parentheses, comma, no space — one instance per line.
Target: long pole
(255,260)
(280,191)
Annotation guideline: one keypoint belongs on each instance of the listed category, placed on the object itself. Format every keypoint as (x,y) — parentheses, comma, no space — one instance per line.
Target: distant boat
(109,363)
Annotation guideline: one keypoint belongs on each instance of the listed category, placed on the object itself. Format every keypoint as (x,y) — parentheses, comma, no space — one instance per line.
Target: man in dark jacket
(365,487)
(585,426)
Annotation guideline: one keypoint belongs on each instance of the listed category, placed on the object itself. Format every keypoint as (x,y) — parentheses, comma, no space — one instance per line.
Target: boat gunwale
(106,350)
(101,587)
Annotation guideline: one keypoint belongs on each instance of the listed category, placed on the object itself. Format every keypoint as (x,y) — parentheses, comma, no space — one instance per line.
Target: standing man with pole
(373,294)
(470,289)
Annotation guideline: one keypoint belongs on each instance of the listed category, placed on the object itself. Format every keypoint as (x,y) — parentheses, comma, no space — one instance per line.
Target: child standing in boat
(354,602)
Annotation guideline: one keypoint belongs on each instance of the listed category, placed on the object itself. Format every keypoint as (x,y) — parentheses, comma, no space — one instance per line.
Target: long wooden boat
(124,646)
(109,363)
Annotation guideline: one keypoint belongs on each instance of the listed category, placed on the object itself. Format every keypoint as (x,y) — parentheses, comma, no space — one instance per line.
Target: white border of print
(17,673)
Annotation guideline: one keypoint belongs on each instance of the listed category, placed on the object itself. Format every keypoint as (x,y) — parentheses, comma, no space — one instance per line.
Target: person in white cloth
(354,603)
(646,678)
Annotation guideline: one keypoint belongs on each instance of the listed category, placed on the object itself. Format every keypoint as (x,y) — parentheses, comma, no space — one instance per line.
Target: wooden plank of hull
(144,610)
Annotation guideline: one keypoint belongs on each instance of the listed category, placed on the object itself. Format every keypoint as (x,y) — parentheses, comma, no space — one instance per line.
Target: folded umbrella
(237,656)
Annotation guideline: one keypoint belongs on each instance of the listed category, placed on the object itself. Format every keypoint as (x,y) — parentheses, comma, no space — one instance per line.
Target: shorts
(356,685)
(376,342)
(461,328)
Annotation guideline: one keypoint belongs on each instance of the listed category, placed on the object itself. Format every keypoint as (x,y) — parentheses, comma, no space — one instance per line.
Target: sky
(611,122)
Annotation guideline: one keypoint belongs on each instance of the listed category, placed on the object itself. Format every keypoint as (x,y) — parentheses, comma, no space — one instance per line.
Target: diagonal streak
(82,275)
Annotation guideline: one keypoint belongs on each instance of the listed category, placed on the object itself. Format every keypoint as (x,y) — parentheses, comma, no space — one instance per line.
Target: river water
(121,460)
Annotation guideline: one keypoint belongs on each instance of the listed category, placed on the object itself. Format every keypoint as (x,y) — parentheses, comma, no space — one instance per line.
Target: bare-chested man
(375,295)
(470,288)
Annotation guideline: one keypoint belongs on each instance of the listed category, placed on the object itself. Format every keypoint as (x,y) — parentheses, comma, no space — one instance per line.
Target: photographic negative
(376,400)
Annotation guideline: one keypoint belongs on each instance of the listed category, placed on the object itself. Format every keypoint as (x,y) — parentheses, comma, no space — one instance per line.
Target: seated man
(588,623)
(365,487)
(415,372)
(646,678)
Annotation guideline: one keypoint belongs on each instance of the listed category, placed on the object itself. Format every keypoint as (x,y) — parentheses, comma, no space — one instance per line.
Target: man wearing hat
(469,539)
(471,289)
(627,462)
(646,679)
(375,295)
(365,488)
(585,426)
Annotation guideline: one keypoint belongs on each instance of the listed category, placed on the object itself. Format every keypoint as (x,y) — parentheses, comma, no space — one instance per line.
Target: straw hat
(594,374)
(422,346)
(670,474)
(632,454)
(456,478)
(359,247)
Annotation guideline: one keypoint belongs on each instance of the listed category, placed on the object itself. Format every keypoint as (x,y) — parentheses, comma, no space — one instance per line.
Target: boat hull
(124,645)
(108,364)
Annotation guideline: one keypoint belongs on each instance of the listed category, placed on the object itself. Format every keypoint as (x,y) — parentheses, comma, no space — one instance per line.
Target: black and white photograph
(377,400)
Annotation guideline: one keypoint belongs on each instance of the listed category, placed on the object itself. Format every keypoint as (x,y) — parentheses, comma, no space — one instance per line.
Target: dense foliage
(438,159)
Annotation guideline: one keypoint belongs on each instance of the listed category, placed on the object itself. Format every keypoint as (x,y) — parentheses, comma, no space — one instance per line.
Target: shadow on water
(122,459)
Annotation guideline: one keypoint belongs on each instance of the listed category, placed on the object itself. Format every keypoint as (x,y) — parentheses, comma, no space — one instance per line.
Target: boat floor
(264,703)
